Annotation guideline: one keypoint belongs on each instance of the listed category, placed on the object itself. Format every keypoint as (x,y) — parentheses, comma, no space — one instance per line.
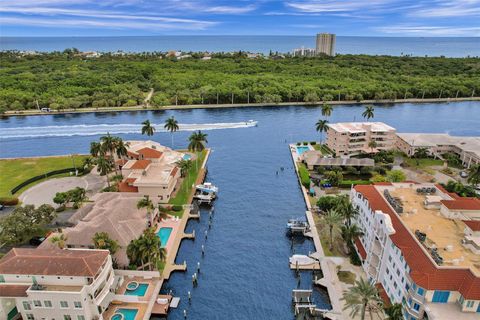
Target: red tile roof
(474,225)
(462,204)
(53,262)
(140,164)
(132,154)
(384,183)
(360,248)
(149,153)
(174,171)
(130,180)
(13,290)
(383,294)
(121,162)
(424,271)
(124,187)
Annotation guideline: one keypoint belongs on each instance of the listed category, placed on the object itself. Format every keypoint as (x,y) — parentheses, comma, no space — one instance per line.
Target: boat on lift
(207,187)
(205,193)
(295,226)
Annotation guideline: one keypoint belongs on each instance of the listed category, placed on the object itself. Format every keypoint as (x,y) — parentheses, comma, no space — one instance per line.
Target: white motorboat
(297,226)
(207,187)
(204,197)
(301,260)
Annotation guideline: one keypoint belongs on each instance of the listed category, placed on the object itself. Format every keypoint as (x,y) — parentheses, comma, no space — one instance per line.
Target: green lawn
(346,277)
(182,195)
(323,148)
(15,171)
(423,163)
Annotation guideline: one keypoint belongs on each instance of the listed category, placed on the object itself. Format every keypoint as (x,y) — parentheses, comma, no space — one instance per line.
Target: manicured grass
(346,276)
(15,171)
(185,190)
(325,239)
(323,148)
(423,163)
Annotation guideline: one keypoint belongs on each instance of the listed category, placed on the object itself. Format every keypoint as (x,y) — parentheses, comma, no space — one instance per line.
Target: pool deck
(141,307)
(150,291)
(169,223)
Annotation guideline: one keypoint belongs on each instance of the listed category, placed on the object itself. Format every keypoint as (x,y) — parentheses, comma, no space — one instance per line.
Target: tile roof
(473,224)
(383,294)
(149,153)
(53,262)
(360,248)
(13,290)
(121,162)
(132,154)
(124,187)
(424,271)
(462,204)
(140,164)
(174,171)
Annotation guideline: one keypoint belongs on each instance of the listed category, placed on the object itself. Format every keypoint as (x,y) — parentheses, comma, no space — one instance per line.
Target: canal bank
(244,271)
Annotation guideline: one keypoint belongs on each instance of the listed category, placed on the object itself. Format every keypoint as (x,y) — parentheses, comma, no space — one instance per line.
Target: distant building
(354,138)
(304,52)
(326,44)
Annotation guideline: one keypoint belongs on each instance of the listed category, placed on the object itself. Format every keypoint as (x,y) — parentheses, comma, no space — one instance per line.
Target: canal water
(244,273)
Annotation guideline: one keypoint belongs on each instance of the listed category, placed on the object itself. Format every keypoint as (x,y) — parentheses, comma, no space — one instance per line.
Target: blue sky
(240,17)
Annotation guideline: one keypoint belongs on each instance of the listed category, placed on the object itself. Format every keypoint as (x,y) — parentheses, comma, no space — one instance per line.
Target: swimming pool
(139,291)
(302,149)
(164,234)
(187,156)
(128,314)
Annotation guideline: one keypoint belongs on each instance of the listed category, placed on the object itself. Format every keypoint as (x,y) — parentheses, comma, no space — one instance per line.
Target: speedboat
(204,197)
(207,187)
(297,226)
(252,123)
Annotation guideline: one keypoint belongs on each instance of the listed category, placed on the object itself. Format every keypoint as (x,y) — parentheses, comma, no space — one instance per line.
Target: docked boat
(207,187)
(204,197)
(295,226)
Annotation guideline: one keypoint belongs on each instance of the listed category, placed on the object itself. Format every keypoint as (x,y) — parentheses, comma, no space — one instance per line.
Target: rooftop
(315,158)
(471,144)
(149,153)
(137,164)
(462,204)
(445,234)
(424,271)
(53,262)
(13,290)
(353,127)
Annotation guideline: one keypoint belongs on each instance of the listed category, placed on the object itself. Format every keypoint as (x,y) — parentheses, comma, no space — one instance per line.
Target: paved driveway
(45,191)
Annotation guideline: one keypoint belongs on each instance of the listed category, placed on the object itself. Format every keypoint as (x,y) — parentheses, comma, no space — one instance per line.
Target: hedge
(9,201)
(348,183)
(304,176)
(40,177)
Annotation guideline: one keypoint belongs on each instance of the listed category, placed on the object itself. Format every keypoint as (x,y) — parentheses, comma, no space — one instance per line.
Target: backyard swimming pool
(140,290)
(128,314)
(164,234)
(187,156)
(302,149)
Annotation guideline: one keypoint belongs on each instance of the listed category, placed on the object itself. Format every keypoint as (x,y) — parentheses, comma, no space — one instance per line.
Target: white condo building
(326,44)
(421,247)
(47,284)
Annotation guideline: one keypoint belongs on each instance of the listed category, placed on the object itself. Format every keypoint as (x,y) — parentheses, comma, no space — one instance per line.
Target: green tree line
(62,80)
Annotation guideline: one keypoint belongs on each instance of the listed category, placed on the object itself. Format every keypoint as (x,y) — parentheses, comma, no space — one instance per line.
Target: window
(420,291)
(37,303)
(26,305)
(470,303)
(409,301)
(77,304)
(441,296)
(67,317)
(47,304)
(416,306)
(80,318)
(30,316)
(63,304)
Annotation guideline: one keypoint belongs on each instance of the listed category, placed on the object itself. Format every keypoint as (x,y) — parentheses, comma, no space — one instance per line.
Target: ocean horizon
(395,46)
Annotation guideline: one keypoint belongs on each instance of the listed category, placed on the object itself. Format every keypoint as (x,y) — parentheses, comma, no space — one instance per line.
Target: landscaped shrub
(299,143)
(9,201)
(177,208)
(348,183)
(305,143)
(354,258)
(313,143)
(304,176)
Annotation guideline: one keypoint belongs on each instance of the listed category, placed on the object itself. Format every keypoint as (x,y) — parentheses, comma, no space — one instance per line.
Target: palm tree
(346,209)
(133,253)
(146,203)
(101,240)
(350,233)
(147,128)
(362,297)
(171,125)
(108,144)
(333,221)
(474,175)
(394,312)
(104,166)
(95,148)
(326,110)
(421,153)
(147,248)
(368,113)
(197,143)
(321,127)
(372,145)
(184,166)
(59,240)
(121,147)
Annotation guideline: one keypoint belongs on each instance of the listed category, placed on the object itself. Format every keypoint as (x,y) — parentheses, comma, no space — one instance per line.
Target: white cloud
(230,10)
(328,6)
(457,8)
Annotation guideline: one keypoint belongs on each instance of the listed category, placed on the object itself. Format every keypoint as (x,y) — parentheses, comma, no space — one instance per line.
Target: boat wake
(98,129)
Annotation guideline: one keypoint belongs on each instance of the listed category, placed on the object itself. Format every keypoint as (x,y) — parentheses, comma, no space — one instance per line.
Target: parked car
(36,241)
(463,174)
(1,207)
